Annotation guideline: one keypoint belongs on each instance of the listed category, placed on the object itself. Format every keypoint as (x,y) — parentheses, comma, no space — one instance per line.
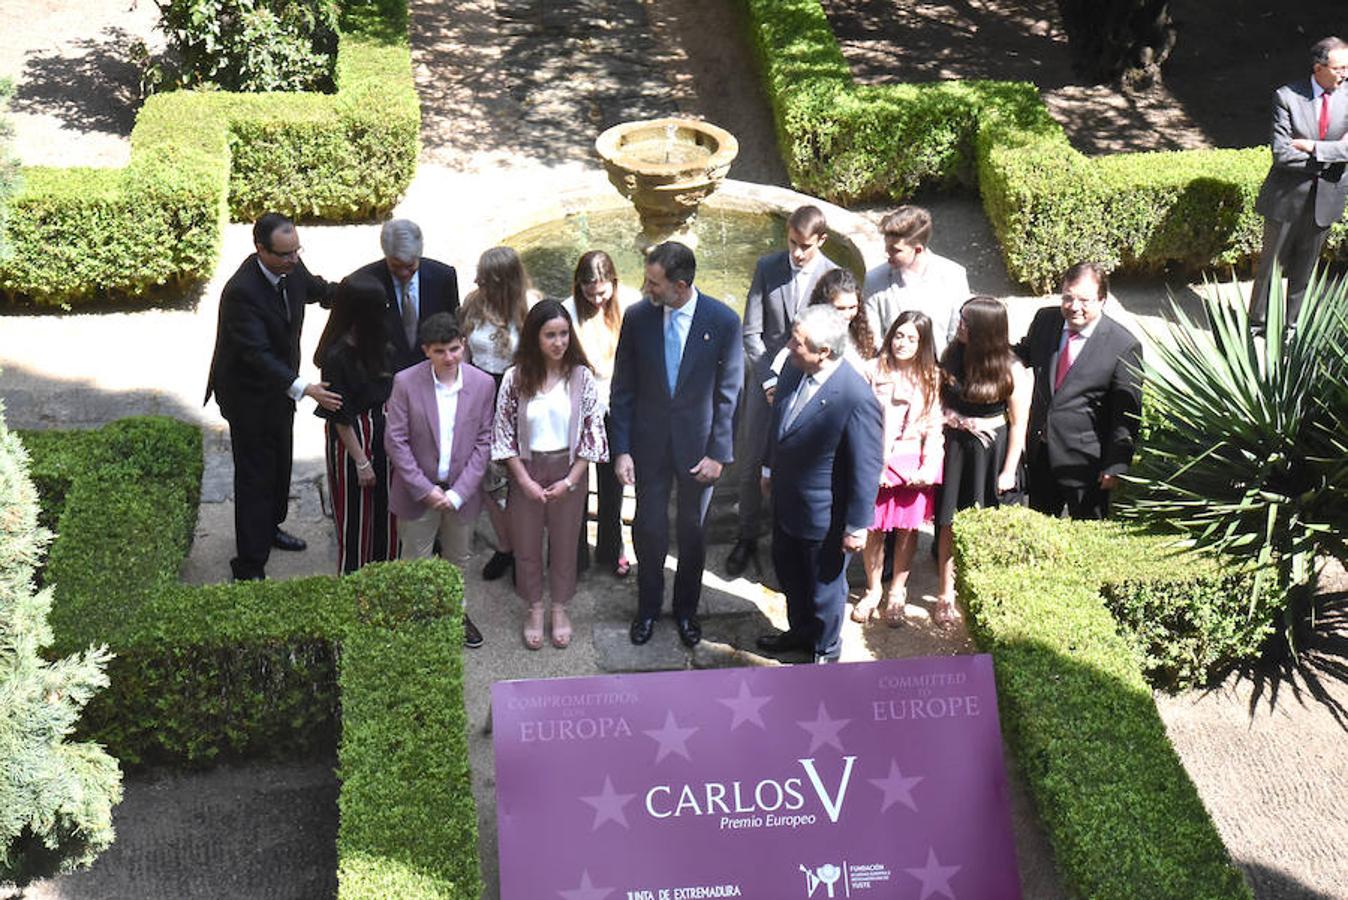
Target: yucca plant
(1249,453)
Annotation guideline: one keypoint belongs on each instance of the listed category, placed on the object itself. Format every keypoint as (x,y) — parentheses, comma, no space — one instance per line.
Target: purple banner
(873,780)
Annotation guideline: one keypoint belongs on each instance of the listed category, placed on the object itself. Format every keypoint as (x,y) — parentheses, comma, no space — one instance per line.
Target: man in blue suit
(676,381)
(825,451)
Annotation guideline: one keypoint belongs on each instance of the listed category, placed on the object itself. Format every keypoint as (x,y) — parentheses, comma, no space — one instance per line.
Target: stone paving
(507,120)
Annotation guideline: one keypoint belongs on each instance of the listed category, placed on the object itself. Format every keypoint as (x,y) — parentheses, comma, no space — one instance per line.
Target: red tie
(1324,115)
(1065,359)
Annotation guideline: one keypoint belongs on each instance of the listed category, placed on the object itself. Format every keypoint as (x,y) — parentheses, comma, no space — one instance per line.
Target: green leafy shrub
(1249,460)
(250,45)
(56,796)
(9,167)
(265,668)
(1190,627)
(1121,813)
(1049,205)
(84,236)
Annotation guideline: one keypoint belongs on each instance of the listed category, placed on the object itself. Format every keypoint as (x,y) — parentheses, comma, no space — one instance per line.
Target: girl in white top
(548,429)
(596,305)
(490,318)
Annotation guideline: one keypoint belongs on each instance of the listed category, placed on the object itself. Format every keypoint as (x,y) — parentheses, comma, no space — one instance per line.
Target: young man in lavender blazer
(438,438)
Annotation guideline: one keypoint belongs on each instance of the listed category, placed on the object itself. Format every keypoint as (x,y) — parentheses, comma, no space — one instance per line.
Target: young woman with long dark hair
(548,430)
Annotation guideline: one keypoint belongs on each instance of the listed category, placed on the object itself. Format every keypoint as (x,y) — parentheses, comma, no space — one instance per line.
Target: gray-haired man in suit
(1305,190)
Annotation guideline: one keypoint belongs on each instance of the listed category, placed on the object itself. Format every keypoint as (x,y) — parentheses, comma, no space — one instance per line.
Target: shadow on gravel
(1275,884)
(1322,661)
(95,88)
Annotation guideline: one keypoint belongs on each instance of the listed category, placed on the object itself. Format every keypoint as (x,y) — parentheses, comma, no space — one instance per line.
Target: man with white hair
(825,451)
(415,288)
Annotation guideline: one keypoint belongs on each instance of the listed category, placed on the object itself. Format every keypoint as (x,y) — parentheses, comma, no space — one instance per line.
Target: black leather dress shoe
(744,552)
(690,631)
(284,540)
(498,565)
(784,642)
(641,631)
(472,637)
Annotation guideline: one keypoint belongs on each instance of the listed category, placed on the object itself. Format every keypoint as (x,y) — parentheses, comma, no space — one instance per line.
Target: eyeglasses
(1074,299)
(289,254)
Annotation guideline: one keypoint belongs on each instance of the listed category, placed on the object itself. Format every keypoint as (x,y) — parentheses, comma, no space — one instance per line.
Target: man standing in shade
(825,451)
(677,374)
(783,282)
(1305,190)
(914,278)
(1087,399)
(255,379)
(416,287)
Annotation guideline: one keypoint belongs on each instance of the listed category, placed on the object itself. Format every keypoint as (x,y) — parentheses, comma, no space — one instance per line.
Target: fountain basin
(666,168)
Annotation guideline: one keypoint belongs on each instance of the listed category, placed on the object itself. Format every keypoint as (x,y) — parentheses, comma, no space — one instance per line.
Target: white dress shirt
(447,406)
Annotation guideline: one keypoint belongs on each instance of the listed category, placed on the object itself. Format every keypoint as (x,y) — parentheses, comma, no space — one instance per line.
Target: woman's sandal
(894,605)
(866,608)
(622,568)
(561,628)
(947,613)
(533,628)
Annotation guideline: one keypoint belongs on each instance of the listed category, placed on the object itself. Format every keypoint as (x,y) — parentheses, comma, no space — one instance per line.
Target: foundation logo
(826,875)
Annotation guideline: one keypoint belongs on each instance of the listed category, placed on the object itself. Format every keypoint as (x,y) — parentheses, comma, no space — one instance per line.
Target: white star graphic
(608,805)
(672,738)
(586,891)
(897,788)
(746,707)
(824,730)
(934,877)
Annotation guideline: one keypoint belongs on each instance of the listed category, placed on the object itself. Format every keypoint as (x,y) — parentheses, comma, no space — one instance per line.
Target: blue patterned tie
(673,351)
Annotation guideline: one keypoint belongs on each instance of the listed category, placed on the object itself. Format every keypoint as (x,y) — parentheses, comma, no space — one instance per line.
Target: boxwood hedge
(267,668)
(1049,205)
(1122,815)
(81,235)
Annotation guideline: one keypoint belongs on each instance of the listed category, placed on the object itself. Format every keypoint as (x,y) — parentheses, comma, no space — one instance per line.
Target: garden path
(512,94)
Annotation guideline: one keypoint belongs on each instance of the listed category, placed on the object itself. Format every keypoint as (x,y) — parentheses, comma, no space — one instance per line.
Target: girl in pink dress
(906,380)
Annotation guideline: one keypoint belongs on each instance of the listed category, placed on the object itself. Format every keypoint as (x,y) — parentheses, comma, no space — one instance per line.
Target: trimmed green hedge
(1122,815)
(1049,205)
(264,668)
(83,235)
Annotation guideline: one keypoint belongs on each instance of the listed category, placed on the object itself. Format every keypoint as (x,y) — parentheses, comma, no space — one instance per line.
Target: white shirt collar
(272,278)
(826,370)
(453,387)
(688,308)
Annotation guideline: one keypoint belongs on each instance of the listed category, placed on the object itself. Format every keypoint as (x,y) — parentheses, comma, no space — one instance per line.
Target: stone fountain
(666,168)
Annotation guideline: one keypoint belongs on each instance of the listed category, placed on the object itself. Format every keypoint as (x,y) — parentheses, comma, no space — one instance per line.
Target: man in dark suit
(825,451)
(255,379)
(417,288)
(676,381)
(782,285)
(1305,191)
(1087,399)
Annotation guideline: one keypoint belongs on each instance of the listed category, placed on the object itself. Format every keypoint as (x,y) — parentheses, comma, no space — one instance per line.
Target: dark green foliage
(250,45)
(56,795)
(85,236)
(266,668)
(1190,627)
(1121,813)
(1249,458)
(1049,205)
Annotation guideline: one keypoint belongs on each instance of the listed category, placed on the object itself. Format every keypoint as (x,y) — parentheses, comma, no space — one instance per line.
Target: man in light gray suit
(1305,190)
(781,289)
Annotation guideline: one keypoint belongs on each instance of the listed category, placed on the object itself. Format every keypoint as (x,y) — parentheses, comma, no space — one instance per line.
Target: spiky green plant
(56,796)
(1247,456)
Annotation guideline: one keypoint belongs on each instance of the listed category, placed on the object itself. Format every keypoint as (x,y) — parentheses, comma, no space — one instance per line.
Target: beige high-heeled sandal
(561,627)
(867,608)
(533,627)
(894,604)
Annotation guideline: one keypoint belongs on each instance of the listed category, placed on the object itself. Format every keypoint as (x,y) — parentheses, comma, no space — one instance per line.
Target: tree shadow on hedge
(93,88)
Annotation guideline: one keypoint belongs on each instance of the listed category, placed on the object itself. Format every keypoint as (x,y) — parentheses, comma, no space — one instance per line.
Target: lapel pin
(706,335)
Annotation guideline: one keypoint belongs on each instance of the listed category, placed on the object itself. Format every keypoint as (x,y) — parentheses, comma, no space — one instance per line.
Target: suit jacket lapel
(462,441)
(699,335)
(429,408)
(826,394)
(1088,354)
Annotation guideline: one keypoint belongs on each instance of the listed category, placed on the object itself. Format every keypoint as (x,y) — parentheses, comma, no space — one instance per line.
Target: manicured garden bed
(204,673)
